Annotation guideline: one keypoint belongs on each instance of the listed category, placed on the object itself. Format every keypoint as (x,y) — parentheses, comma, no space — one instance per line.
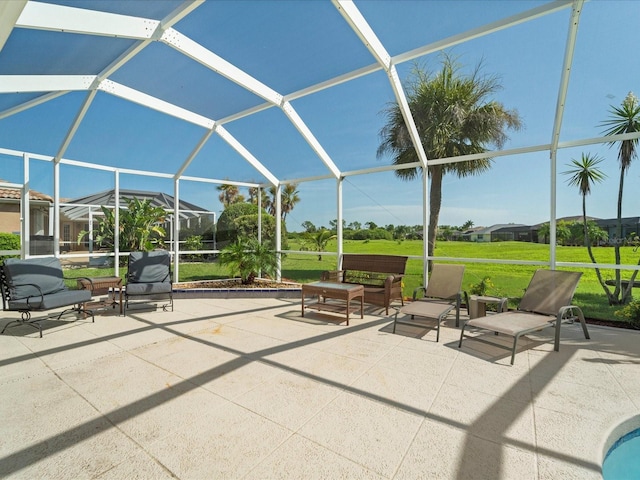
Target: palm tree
(290,197)
(454,116)
(229,195)
(623,119)
(318,240)
(247,258)
(140,227)
(584,174)
(264,200)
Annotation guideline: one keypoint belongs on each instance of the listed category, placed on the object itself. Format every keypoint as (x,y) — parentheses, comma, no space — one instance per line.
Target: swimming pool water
(623,459)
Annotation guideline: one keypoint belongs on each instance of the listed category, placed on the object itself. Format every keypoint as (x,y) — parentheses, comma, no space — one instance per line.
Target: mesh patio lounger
(546,302)
(441,295)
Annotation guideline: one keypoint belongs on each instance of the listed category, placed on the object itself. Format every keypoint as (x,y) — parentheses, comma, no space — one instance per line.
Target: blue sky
(289,45)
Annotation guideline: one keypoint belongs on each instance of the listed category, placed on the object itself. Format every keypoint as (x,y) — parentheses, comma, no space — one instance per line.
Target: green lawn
(509,280)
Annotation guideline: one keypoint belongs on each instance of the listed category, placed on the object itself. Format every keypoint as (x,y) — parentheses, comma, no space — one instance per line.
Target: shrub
(482,287)
(194,242)
(226,227)
(9,241)
(630,313)
(240,220)
(247,257)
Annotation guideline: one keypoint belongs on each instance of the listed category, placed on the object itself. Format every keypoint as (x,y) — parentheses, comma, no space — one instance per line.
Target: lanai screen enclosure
(181,97)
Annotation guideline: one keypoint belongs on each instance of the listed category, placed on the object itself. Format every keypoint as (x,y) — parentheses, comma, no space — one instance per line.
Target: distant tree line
(367,231)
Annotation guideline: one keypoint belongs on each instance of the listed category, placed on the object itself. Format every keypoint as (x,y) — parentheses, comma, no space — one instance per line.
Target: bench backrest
(374,263)
(18,276)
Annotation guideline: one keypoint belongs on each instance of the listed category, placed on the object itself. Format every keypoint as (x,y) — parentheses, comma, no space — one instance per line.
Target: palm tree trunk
(587,242)
(616,247)
(626,297)
(435,202)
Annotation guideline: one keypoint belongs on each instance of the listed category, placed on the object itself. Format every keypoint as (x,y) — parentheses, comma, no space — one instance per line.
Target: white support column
(25,244)
(259,214)
(176,230)
(56,209)
(425,226)
(574,21)
(339,232)
(116,229)
(278,201)
(50,227)
(90,230)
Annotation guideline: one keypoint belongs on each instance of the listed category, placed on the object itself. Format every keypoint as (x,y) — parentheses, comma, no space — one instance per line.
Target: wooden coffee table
(100,286)
(344,293)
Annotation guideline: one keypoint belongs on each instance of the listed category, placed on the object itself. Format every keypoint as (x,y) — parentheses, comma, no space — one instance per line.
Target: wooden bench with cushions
(380,275)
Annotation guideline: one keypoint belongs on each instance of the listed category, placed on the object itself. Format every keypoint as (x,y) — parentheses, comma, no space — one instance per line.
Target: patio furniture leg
(25,319)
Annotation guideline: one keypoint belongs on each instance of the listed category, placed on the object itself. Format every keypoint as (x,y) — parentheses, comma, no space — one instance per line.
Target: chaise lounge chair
(441,295)
(149,278)
(546,302)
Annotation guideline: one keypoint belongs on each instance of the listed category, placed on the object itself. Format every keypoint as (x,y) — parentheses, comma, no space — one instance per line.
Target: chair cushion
(512,323)
(46,273)
(149,267)
(53,300)
(148,288)
(365,278)
(428,309)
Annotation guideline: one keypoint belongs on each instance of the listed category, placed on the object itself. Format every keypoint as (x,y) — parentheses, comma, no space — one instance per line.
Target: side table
(478,305)
(102,285)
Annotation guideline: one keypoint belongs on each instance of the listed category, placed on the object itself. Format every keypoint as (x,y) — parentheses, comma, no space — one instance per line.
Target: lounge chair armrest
(418,289)
(574,311)
(332,276)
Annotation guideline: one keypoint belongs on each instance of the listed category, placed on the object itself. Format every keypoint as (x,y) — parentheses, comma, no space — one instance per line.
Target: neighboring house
(515,233)
(630,226)
(40,214)
(484,234)
(76,214)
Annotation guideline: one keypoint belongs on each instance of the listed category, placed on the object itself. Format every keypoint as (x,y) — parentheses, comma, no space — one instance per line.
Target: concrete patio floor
(247,389)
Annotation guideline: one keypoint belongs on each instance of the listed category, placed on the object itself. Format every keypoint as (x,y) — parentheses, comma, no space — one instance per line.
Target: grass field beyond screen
(508,280)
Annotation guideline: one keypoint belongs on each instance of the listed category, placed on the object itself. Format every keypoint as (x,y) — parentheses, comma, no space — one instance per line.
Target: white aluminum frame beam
(75,125)
(31,103)
(9,14)
(44,83)
(46,16)
(194,153)
(293,116)
(546,9)
(366,34)
(154,103)
(574,22)
(238,147)
(219,65)
(206,57)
